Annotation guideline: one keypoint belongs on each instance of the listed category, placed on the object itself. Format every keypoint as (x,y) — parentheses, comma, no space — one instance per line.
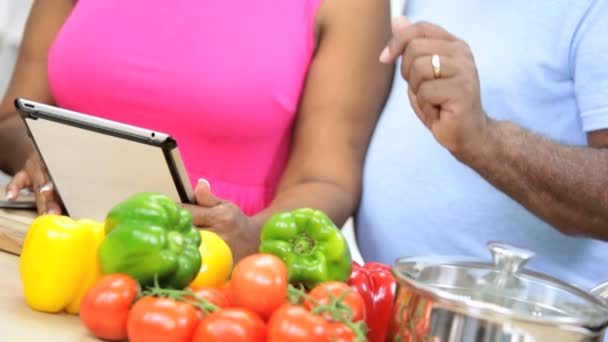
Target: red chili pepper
(376,284)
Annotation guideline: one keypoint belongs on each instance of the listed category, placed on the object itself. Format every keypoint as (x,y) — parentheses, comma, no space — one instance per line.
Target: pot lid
(502,288)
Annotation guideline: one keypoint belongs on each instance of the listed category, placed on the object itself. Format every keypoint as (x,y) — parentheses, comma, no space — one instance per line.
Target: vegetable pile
(147,274)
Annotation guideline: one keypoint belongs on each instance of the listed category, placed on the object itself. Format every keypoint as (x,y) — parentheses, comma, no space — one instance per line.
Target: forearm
(334,200)
(564,185)
(14,144)
(30,78)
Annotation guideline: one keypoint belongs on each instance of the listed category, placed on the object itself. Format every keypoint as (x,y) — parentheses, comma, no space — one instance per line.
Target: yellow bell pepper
(59,263)
(216,261)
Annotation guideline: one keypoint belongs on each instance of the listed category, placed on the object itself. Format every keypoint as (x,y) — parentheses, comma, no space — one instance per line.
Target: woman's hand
(225,219)
(443,85)
(34,177)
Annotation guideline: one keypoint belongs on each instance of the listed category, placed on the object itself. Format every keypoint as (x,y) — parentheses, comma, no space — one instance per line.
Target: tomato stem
(186,296)
(298,295)
(336,308)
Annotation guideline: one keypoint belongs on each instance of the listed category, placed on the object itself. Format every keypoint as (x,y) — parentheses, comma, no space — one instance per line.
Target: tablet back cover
(93,171)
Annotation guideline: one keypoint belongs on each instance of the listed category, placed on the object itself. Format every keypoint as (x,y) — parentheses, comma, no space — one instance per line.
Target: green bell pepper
(149,236)
(312,247)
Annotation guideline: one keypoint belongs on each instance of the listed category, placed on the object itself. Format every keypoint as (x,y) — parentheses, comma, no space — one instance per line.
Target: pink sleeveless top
(223,77)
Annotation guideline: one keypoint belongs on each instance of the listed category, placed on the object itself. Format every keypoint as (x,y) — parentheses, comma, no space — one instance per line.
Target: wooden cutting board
(13,227)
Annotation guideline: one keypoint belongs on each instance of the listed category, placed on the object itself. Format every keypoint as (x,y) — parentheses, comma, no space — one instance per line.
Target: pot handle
(601,291)
(508,258)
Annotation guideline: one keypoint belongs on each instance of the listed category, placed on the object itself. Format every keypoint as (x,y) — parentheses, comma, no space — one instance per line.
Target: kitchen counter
(20,323)
(17,321)
(13,226)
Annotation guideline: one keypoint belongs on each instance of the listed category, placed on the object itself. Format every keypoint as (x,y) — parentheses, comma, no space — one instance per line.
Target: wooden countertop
(13,227)
(20,323)
(17,321)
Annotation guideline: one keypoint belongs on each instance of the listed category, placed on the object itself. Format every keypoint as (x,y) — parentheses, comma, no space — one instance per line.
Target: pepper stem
(303,244)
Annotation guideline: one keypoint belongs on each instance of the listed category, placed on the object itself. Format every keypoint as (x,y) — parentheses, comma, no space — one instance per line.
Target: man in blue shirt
(496,129)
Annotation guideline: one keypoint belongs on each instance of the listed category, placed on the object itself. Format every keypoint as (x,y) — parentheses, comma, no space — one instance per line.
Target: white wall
(397,7)
(3,14)
(13,14)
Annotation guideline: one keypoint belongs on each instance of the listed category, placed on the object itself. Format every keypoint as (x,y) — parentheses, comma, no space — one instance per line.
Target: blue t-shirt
(543,64)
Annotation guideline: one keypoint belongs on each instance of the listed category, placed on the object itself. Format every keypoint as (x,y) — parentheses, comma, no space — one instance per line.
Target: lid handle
(508,258)
(601,291)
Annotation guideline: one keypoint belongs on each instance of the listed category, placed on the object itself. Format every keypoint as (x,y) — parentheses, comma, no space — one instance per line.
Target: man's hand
(562,185)
(227,220)
(448,103)
(34,177)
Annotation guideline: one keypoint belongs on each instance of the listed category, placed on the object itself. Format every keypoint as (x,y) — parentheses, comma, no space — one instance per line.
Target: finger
(47,189)
(53,206)
(44,196)
(391,50)
(43,190)
(404,33)
(20,181)
(430,111)
(422,70)
(40,202)
(201,216)
(420,47)
(426,112)
(49,197)
(438,92)
(204,196)
(40,180)
(416,107)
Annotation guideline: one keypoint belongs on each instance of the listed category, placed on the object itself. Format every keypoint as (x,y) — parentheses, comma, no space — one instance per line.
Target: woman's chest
(237,64)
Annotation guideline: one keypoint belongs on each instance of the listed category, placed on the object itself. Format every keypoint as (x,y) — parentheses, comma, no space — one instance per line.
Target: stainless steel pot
(450,300)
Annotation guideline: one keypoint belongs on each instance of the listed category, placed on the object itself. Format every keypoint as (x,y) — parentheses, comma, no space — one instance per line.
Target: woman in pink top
(272,102)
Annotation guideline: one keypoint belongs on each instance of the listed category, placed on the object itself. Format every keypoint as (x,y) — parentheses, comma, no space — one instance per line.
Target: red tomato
(340,332)
(105,307)
(212,295)
(352,299)
(232,324)
(294,324)
(227,291)
(161,320)
(259,283)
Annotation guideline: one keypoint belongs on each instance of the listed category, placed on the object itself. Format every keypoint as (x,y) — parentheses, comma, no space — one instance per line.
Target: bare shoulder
(44,20)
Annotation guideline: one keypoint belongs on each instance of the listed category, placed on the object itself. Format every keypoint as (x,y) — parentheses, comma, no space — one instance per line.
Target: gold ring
(436,63)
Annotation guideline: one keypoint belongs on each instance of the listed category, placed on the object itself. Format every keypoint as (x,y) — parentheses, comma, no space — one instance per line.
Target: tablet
(96,163)
(25,200)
